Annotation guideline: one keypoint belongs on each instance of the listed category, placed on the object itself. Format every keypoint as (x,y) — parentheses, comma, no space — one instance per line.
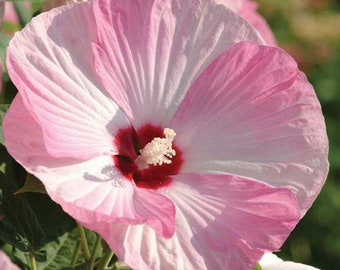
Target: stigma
(157,152)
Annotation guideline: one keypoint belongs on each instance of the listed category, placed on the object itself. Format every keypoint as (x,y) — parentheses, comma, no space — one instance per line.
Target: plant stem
(117,266)
(32,261)
(105,260)
(76,253)
(94,252)
(84,242)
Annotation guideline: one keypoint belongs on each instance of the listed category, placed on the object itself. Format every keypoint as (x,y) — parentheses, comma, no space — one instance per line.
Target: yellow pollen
(158,151)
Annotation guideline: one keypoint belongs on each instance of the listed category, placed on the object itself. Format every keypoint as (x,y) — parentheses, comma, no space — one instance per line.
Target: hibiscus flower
(156,124)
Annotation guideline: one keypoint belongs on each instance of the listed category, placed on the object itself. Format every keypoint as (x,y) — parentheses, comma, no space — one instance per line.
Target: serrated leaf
(32,184)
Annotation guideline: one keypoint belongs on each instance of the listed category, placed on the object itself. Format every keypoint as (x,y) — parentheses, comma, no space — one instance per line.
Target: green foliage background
(310,31)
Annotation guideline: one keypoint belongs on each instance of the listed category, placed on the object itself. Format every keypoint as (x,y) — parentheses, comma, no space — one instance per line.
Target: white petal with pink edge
(90,191)
(234,5)
(150,51)
(253,113)
(222,222)
(270,261)
(50,62)
(100,199)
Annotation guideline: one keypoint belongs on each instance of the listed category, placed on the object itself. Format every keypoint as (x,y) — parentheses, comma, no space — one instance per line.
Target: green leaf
(56,225)
(3,110)
(59,253)
(32,184)
(18,214)
(37,5)
(52,219)
(10,235)
(257,267)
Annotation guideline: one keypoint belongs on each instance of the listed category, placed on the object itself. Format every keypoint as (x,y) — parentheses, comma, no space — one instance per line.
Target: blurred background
(310,31)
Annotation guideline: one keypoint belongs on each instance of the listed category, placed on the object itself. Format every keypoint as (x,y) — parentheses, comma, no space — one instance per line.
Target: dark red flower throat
(129,143)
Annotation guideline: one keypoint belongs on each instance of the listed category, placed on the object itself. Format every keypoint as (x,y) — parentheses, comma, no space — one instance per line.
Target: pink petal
(112,200)
(150,51)
(271,262)
(222,222)
(90,191)
(248,12)
(253,113)
(10,14)
(6,263)
(30,150)
(51,65)
(101,197)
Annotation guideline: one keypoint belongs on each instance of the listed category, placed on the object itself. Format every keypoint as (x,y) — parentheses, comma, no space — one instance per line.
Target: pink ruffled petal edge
(150,51)
(91,191)
(222,222)
(253,113)
(248,12)
(51,64)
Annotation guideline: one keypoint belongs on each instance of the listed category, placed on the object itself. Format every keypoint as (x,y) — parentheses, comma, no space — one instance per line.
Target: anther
(158,151)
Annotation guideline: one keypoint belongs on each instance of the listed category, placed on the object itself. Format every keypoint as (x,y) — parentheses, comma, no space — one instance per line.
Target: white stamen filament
(158,151)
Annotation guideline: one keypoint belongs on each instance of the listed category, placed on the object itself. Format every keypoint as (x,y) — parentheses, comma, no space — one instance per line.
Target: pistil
(157,152)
